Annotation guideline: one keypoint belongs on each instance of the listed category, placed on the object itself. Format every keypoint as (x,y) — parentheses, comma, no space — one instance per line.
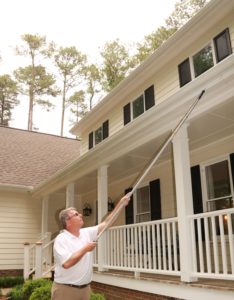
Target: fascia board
(177,43)
(15,188)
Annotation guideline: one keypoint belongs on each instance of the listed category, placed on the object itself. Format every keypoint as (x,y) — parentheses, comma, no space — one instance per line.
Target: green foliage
(16,293)
(152,42)
(10,281)
(8,98)
(31,285)
(41,293)
(34,80)
(184,11)
(96,296)
(70,64)
(116,64)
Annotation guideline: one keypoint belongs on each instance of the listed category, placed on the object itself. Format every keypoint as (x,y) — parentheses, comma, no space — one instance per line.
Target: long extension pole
(153,160)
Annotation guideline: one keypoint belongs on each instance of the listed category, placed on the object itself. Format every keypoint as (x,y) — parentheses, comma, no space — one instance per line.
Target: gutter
(15,188)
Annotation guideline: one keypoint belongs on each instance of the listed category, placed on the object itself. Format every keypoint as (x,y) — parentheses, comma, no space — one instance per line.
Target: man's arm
(76,257)
(115,213)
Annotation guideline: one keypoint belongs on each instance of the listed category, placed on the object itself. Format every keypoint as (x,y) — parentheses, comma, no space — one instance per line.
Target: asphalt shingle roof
(28,158)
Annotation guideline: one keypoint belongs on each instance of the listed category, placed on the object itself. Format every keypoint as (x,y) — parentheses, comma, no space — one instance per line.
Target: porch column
(70,195)
(184,200)
(44,220)
(102,211)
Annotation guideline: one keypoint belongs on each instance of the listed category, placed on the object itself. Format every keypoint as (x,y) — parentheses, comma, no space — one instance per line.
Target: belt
(76,286)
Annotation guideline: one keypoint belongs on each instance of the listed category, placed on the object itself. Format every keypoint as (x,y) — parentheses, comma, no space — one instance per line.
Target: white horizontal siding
(20,222)
(166,81)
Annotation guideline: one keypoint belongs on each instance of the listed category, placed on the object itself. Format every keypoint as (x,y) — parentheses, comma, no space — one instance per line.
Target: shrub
(41,293)
(16,293)
(10,281)
(30,285)
(96,296)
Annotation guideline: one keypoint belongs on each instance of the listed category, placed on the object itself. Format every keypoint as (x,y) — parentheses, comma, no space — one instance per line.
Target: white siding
(166,82)
(20,222)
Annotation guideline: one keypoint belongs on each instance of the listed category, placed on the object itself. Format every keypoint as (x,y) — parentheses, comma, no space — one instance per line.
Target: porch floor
(216,284)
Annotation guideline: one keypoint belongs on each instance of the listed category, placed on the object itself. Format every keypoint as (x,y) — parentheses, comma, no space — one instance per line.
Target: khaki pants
(65,292)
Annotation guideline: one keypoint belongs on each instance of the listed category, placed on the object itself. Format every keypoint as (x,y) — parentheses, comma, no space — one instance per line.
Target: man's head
(70,217)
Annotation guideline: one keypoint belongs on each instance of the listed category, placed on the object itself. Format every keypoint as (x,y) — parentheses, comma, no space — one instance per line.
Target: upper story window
(204,59)
(137,107)
(101,133)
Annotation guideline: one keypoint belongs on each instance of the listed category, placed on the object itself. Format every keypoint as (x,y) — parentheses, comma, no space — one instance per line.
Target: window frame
(225,32)
(92,135)
(214,50)
(135,214)
(204,179)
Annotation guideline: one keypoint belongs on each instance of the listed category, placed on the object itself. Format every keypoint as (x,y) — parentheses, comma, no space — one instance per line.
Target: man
(73,253)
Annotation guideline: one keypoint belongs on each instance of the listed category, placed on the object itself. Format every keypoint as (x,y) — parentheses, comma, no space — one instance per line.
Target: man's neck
(74,231)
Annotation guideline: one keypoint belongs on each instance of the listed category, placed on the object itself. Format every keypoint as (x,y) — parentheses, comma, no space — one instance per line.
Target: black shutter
(184,72)
(127,113)
(129,218)
(91,140)
(155,200)
(232,166)
(105,129)
(149,97)
(196,189)
(197,198)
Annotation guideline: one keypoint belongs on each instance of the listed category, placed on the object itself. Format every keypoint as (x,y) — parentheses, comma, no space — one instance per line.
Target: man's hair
(64,216)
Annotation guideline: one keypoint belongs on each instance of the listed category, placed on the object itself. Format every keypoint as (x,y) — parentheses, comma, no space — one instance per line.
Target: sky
(85,24)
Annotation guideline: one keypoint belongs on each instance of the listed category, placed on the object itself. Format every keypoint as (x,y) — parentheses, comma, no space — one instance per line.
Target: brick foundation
(116,293)
(11,273)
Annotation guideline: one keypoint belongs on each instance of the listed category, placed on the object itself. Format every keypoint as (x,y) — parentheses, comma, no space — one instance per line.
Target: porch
(147,256)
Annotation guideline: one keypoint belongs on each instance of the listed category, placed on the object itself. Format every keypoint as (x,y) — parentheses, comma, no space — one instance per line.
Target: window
(219,193)
(143,205)
(184,72)
(222,45)
(218,189)
(99,134)
(203,60)
(139,106)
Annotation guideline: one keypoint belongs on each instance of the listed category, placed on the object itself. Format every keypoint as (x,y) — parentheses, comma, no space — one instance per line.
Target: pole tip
(202,93)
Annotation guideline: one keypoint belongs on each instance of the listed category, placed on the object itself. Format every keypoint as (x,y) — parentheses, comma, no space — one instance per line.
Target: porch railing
(153,247)
(213,244)
(38,257)
(150,247)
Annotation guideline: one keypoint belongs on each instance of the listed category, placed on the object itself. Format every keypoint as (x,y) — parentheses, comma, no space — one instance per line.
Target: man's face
(75,219)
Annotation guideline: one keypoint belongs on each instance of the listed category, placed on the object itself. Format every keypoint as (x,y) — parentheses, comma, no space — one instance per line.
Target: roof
(28,158)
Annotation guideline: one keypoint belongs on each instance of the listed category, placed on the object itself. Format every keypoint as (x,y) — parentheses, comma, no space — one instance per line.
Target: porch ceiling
(204,129)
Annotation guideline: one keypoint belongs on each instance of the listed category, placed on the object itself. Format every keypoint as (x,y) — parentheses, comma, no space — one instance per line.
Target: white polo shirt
(64,246)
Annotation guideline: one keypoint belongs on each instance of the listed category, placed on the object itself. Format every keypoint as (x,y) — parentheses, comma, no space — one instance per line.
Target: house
(175,239)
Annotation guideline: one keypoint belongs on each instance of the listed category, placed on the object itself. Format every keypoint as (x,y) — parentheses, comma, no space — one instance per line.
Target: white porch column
(102,210)
(184,200)
(70,194)
(45,211)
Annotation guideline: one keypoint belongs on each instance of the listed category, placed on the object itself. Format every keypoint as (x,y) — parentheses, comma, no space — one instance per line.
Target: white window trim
(203,177)
(135,200)
(131,103)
